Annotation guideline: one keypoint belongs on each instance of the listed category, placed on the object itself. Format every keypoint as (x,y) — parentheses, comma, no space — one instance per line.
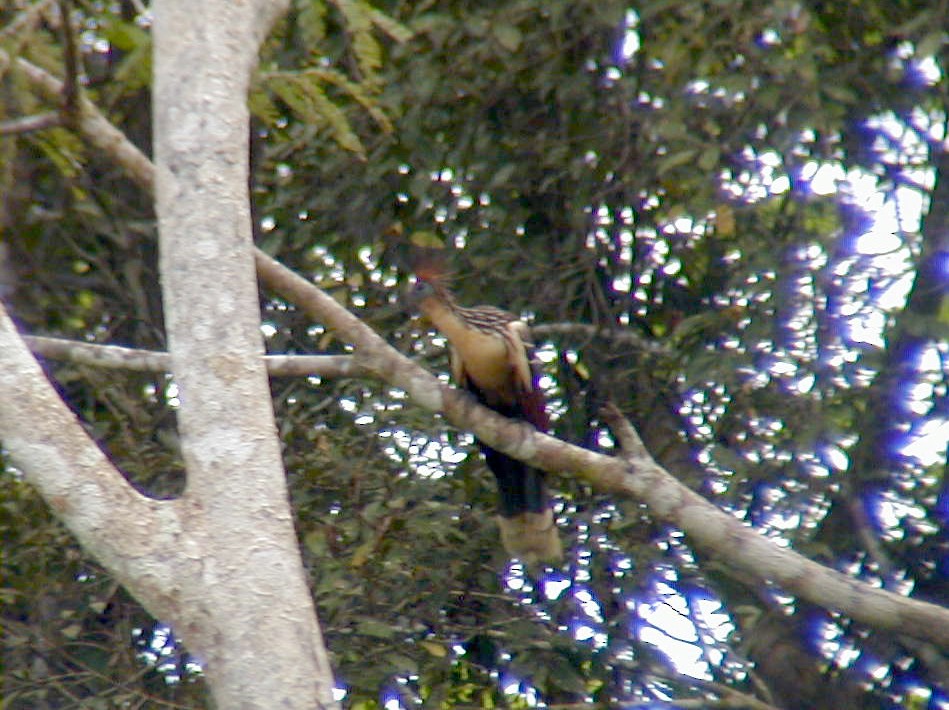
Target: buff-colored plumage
(490,357)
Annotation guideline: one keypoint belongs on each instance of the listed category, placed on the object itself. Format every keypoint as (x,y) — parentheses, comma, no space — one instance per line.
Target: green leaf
(502,175)
(72,631)
(356,91)
(426,239)
(375,629)
(931,44)
(839,92)
(135,70)
(400,663)
(508,36)
(263,107)
(395,29)
(305,98)
(709,158)
(670,162)
(311,19)
(434,649)
(315,541)
(358,16)
(126,36)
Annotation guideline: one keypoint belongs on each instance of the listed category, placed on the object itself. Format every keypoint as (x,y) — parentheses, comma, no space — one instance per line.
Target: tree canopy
(727,223)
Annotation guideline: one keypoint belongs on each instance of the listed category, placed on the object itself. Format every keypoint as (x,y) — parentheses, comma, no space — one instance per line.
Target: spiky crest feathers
(433,270)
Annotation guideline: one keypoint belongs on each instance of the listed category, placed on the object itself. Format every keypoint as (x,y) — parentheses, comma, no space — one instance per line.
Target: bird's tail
(528,531)
(531,537)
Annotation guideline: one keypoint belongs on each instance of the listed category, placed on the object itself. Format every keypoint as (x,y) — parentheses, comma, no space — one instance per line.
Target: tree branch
(256,594)
(640,477)
(70,95)
(121,358)
(585,331)
(728,697)
(626,435)
(48,444)
(239,554)
(29,124)
(93,126)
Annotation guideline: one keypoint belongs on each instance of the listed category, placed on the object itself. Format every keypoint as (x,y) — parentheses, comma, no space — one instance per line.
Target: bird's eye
(417,292)
(421,289)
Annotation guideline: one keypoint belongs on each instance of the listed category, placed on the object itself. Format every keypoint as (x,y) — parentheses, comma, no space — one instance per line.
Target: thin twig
(70,107)
(631,444)
(29,124)
(121,358)
(26,20)
(728,697)
(620,336)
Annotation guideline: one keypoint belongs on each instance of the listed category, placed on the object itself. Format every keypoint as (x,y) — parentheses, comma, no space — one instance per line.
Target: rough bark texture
(49,447)
(221,563)
(249,612)
(124,530)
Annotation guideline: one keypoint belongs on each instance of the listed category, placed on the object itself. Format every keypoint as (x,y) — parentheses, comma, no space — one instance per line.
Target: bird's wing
(530,398)
(458,374)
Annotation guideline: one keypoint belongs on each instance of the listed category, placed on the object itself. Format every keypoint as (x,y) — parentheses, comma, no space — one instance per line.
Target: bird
(491,357)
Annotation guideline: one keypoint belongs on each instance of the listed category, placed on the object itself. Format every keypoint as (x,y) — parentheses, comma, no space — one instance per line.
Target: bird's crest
(430,266)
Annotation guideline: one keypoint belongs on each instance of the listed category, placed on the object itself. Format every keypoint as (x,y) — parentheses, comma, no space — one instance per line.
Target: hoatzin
(491,358)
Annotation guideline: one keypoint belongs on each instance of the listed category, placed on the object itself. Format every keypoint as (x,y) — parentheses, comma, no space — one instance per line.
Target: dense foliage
(649,178)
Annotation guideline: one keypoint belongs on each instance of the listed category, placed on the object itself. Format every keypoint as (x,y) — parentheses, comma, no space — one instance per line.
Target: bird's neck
(482,353)
(445,316)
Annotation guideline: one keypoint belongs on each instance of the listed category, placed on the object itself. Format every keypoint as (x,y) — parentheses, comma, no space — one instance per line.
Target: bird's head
(429,288)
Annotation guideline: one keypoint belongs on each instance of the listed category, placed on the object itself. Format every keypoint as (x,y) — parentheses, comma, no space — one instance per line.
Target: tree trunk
(247,610)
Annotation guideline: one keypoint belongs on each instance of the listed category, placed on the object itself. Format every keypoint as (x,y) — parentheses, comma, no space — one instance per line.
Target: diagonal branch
(638,476)
(48,444)
(93,126)
(626,435)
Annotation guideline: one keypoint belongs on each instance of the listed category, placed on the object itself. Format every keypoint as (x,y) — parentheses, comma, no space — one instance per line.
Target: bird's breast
(485,361)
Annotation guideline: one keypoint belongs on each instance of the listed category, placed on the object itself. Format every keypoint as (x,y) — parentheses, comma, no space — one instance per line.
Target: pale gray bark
(138,360)
(76,480)
(124,530)
(249,611)
(221,564)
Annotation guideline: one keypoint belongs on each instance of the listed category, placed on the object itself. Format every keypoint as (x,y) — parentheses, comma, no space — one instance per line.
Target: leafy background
(639,179)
